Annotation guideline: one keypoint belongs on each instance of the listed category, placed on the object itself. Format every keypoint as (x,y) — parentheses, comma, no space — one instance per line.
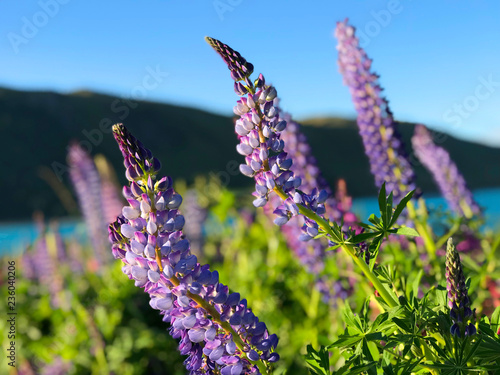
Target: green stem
(94,333)
(423,230)
(450,233)
(384,293)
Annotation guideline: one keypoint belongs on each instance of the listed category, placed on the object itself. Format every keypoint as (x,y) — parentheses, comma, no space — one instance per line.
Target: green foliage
(106,325)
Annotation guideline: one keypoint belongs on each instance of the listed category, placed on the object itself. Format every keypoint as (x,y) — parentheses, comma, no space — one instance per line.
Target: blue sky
(439,62)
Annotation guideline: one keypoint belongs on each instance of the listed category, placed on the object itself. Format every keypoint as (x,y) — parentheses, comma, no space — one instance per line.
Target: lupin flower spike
(87,184)
(445,172)
(458,297)
(311,254)
(112,201)
(217,330)
(259,129)
(383,145)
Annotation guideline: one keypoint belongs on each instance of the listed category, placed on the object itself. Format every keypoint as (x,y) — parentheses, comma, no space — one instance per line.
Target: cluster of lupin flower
(87,185)
(217,330)
(259,128)
(458,297)
(445,172)
(290,165)
(311,254)
(383,145)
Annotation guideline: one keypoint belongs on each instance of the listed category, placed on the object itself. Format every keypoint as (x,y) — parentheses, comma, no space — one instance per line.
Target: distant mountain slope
(36,128)
(339,150)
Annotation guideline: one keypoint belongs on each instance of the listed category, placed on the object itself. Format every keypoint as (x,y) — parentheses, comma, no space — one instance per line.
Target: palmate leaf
(399,209)
(318,362)
(375,221)
(489,349)
(410,366)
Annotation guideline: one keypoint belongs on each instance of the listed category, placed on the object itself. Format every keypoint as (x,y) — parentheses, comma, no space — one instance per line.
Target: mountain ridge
(38,126)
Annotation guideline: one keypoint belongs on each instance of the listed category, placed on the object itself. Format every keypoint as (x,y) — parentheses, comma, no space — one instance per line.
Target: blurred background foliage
(77,316)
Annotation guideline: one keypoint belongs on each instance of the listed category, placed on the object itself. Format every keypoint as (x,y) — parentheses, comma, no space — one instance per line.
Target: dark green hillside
(339,150)
(36,128)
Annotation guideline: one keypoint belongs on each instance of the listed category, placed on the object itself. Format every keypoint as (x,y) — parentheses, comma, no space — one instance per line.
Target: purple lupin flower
(288,154)
(112,202)
(383,145)
(87,184)
(216,329)
(259,129)
(458,297)
(306,168)
(60,252)
(75,255)
(195,215)
(450,181)
(309,253)
(344,204)
(28,265)
(56,367)
(46,267)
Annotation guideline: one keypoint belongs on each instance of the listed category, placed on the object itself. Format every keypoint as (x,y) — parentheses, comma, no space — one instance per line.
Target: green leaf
(495,319)
(401,207)
(331,248)
(346,366)
(416,282)
(472,351)
(388,211)
(367,226)
(382,318)
(359,369)
(345,341)
(350,319)
(489,349)
(374,249)
(375,220)
(407,231)
(402,324)
(319,362)
(363,237)
(382,202)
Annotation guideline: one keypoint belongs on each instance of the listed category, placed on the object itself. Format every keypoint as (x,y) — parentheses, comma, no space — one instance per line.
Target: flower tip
(212,42)
(117,127)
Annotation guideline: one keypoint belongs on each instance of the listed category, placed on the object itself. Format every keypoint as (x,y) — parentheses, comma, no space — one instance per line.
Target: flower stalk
(216,329)
(260,128)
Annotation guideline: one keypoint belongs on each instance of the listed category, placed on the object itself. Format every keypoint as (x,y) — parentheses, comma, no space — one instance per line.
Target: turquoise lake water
(489,199)
(15,237)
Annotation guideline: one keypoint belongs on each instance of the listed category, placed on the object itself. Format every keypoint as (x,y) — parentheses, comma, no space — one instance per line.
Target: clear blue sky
(432,56)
